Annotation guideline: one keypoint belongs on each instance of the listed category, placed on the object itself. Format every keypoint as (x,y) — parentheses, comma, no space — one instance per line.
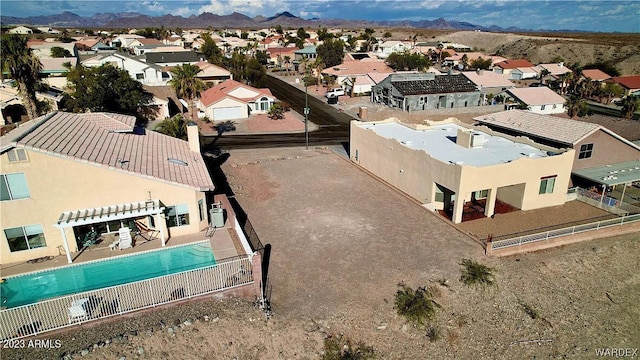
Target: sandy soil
(335,263)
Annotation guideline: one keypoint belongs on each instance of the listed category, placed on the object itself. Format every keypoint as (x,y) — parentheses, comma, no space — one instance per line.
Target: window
(139,76)
(201,209)
(13,186)
(17,155)
(585,151)
(542,107)
(25,237)
(546,184)
(481,194)
(177,215)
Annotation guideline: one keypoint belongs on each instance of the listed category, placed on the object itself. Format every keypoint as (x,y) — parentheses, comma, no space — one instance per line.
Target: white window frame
(28,230)
(4,178)
(586,151)
(178,211)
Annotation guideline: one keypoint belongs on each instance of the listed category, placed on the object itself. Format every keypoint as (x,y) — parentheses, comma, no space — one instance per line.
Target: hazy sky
(603,15)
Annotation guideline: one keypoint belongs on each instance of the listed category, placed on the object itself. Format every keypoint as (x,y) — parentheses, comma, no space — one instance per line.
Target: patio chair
(91,238)
(77,311)
(145,232)
(125,238)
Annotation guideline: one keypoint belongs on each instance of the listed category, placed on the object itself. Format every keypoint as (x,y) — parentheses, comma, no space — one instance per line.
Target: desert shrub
(433,334)
(415,305)
(341,348)
(474,273)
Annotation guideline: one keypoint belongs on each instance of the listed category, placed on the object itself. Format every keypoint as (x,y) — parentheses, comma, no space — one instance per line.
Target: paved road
(333,125)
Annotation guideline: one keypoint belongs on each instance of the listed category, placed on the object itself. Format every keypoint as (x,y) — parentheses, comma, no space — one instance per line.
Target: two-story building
(64,174)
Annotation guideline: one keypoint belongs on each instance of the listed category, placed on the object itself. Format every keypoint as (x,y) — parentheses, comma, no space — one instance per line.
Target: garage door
(227,113)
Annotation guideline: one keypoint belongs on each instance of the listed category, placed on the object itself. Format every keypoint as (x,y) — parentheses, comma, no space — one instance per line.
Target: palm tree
(629,106)
(543,74)
(287,61)
(186,84)
(24,68)
(574,105)
(174,126)
(318,66)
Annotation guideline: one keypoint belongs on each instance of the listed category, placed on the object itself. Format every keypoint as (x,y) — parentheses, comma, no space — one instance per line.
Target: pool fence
(71,310)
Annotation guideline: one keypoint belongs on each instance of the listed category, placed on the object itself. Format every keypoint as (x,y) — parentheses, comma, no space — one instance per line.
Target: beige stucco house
(63,174)
(234,100)
(446,165)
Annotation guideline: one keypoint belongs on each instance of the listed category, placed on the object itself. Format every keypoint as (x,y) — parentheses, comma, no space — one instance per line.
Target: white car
(334,92)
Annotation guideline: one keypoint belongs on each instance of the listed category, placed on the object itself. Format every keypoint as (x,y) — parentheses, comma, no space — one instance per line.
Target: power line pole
(306,110)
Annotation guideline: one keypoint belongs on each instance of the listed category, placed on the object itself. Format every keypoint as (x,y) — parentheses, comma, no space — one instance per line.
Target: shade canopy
(108,213)
(612,174)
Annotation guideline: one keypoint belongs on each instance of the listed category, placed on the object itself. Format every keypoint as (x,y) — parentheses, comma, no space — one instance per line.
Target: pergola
(109,213)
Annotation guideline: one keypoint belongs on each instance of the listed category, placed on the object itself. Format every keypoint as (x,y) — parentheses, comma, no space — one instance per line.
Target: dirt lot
(335,263)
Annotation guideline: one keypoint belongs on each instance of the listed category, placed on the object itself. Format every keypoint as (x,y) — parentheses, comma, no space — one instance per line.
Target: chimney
(193,136)
(561,64)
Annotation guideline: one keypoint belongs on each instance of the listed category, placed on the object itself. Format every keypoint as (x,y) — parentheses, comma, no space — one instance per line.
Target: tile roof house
(596,147)
(505,67)
(392,46)
(554,69)
(355,68)
(147,73)
(277,54)
(488,82)
(540,100)
(456,58)
(213,74)
(233,100)
(63,173)
(523,73)
(175,58)
(629,83)
(595,74)
(411,92)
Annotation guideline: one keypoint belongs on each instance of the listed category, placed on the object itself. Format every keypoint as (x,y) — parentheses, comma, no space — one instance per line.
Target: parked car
(334,92)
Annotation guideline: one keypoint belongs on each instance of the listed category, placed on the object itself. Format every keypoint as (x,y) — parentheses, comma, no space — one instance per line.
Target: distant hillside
(235,20)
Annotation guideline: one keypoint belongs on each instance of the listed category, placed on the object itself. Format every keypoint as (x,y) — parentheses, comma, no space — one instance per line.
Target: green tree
(480,64)
(59,52)
(262,57)
(24,68)
(387,34)
(174,126)
(276,112)
(612,90)
(278,29)
(464,61)
(211,51)
(408,61)
(331,52)
(630,105)
(106,88)
(256,74)
(186,84)
(576,106)
(543,74)
(324,34)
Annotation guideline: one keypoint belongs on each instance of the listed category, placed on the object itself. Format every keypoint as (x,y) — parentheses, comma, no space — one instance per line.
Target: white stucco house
(539,100)
(233,100)
(388,47)
(147,73)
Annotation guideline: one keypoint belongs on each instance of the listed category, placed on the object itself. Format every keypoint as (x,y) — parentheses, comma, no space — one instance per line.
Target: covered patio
(110,215)
(621,180)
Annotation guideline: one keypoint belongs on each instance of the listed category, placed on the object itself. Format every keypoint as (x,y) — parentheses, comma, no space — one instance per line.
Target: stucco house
(21,30)
(451,167)
(595,144)
(505,67)
(595,74)
(64,174)
(540,100)
(147,73)
(631,84)
(212,74)
(176,58)
(488,82)
(355,68)
(523,73)
(412,92)
(389,47)
(233,100)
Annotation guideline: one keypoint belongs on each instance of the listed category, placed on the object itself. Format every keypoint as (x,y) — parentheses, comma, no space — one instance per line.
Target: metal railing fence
(65,311)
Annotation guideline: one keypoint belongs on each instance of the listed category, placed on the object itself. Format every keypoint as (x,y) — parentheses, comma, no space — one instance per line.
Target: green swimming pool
(33,287)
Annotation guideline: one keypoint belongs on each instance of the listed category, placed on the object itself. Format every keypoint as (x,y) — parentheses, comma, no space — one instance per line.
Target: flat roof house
(450,167)
(412,92)
(64,174)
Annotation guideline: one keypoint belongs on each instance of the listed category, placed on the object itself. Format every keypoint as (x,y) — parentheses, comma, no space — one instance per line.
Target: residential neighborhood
(357,189)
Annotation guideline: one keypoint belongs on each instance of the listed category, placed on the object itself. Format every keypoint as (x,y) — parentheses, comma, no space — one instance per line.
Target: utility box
(216,214)
(332,100)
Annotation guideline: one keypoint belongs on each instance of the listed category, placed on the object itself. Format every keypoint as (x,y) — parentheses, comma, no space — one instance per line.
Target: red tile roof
(512,64)
(106,140)
(223,89)
(630,82)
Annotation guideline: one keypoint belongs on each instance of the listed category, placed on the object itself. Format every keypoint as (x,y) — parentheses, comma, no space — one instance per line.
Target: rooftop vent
(177,162)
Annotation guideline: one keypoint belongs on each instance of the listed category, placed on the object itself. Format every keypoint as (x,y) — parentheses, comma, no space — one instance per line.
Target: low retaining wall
(629,228)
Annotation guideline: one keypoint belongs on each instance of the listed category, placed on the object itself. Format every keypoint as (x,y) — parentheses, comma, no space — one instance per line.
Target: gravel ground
(341,242)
